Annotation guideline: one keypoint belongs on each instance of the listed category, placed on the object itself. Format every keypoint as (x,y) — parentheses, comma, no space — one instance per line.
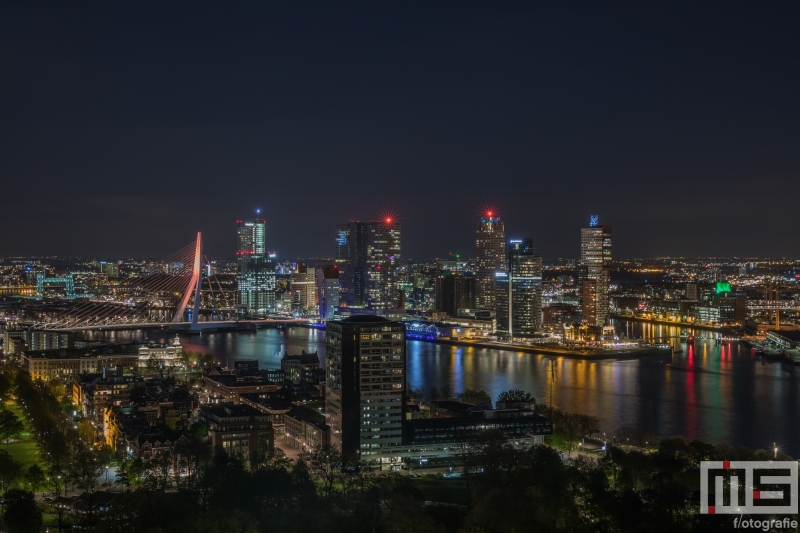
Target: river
(712,391)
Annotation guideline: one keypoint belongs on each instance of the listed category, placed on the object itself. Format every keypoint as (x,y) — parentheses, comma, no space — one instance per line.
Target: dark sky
(125,127)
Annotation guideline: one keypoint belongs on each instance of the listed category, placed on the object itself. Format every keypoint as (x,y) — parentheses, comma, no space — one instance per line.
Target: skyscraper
(383,261)
(369,257)
(365,384)
(351,256)
(595,272)
(328,290)
(256,276)
(519,291)
(490,257)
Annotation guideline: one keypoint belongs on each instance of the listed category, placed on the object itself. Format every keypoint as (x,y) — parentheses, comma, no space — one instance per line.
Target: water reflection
(710,390)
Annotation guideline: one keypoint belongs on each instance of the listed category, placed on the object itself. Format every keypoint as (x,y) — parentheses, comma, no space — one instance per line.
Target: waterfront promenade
(592,354)
(664,322)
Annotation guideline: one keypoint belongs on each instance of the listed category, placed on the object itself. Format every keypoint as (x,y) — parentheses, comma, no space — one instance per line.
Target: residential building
(64,364)
(596,244)
(240,430)
(365,366)
(305,429)
(296,367)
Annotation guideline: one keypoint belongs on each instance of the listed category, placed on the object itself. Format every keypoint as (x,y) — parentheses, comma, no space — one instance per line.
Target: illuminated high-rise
(256,275)
(383,262)
(365,370)
(252,237)
(368,254)
(490,257)
(595,272)
(351,257)
(519,291)
(525,292)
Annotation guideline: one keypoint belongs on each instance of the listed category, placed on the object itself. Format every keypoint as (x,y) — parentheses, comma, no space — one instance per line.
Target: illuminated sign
(723,286)
(593,220)
(341,240)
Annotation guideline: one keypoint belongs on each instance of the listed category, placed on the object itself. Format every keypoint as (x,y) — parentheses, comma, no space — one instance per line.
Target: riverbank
(592,354)
(703,327)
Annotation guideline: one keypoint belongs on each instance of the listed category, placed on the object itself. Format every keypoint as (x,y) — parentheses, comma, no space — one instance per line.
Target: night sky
(125,127)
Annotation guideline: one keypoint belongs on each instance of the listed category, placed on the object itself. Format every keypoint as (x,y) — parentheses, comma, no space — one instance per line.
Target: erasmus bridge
(159,299)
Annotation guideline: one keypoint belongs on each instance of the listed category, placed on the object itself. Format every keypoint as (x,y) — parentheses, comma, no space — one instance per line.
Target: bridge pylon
(194,285)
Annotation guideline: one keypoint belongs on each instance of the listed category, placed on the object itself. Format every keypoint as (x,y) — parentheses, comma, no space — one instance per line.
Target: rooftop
(365,319)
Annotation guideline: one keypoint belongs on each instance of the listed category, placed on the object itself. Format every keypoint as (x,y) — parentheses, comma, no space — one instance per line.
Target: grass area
(25,450)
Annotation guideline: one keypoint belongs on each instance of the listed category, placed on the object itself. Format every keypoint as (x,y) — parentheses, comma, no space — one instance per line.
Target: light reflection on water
(711,391)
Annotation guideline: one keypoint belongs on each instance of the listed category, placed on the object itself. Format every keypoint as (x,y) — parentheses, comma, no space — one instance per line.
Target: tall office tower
(525,288)
(256,276)
(383,261)
(501,301)
(328,290)
(252,237)
(365,384)
(453,292)
(369,258)
(351,257)
(490,257)
(596,267)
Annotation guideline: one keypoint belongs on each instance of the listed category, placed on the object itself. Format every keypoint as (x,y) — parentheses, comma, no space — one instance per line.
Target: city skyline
(393,267)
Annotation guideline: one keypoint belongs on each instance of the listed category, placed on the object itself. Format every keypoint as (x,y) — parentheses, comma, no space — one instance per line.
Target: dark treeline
(501,489)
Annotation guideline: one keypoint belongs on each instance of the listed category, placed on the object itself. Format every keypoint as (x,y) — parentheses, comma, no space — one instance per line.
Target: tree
(325,465)
(35,476)
(10,470)
(21,514)
(58,479)
(515,395)
(85,469)
(86,432)
(475,397)
(10,426)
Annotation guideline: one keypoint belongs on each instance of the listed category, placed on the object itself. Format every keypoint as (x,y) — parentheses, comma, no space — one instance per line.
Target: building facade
(161,355)
(64,364)
(519,291)
(328,290)
(240,430)
(490,257)
(596,245)
(256,274)
(454,292)
(369,258)
(304,289)
(365,385)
